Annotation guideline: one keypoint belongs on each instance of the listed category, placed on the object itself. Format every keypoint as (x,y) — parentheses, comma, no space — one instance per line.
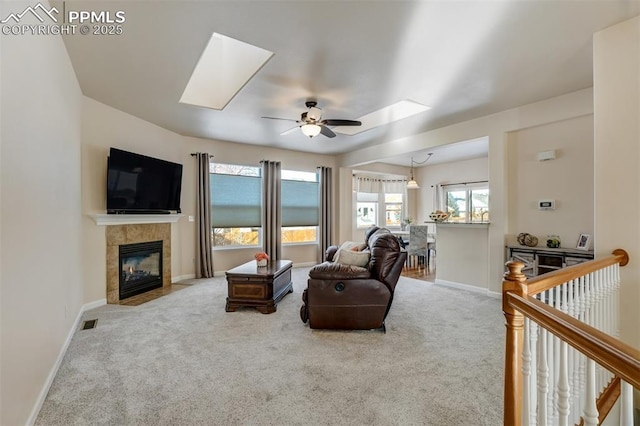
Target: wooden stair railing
(518,303)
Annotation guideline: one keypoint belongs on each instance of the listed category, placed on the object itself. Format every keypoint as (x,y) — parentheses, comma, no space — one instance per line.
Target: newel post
(514,282)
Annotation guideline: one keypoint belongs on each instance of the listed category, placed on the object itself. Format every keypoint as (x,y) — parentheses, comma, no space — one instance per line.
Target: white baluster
(571,367)
(626,404)
(599,304)
(533,383)
(588,286)
(606,300)
(563,387)
(590,411)
(582,298)
(581,359)
(526,373)
(616,300)
(612,300)
(551,366)
(601,379)
(543,377)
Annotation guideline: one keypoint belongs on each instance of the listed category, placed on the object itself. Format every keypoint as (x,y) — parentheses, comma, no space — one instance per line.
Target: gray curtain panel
(204,253)
(271,209)
(326,207)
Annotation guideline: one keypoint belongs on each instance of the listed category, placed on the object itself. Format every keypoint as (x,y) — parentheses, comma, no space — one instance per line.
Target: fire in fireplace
(140,268)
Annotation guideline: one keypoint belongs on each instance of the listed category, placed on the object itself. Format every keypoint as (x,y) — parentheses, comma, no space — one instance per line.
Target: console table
(259,287)
(540,260)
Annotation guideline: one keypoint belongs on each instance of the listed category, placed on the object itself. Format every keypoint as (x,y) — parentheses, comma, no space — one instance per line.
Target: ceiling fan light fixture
(310,130)
(314,114)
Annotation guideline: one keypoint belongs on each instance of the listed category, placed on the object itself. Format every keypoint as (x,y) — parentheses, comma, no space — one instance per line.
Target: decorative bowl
(526,239)
(439,216)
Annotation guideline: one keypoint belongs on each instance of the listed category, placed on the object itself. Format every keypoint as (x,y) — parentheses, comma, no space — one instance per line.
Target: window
(468,204)
(393,210)
(366,209)
(382,209)
(235,205)
(300,207)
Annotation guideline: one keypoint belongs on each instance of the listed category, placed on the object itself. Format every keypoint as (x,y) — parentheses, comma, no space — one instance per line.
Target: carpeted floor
(183,360)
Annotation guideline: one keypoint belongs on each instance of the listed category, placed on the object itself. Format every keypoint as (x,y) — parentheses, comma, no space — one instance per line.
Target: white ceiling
(464,59)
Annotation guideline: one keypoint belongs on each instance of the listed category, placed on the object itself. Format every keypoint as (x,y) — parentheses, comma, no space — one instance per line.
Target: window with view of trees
(236,203)
(468,204)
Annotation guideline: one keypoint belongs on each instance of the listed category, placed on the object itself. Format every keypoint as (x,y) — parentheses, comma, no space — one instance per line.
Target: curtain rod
(193,154)
(463,183)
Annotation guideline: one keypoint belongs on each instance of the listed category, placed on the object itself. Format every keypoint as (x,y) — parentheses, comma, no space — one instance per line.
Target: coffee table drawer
(248,291)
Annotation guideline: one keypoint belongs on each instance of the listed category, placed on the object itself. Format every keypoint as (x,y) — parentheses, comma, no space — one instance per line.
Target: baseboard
(466,287)
(56,365)
(183,277)
(494,294)
(92,305)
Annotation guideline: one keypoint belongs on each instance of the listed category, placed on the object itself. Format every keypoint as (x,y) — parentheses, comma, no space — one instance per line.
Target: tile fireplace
(138,259)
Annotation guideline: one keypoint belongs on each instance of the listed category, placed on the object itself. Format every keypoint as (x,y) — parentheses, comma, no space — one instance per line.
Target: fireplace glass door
(140,268)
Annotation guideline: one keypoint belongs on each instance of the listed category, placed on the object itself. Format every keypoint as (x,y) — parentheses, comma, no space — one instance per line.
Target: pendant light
(412,184)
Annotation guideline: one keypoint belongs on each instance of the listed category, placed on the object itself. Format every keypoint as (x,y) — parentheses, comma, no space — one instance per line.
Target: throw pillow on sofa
(353,246)
(350,257)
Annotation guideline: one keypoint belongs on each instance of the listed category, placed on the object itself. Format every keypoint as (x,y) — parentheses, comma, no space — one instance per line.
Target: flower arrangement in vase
(261,258)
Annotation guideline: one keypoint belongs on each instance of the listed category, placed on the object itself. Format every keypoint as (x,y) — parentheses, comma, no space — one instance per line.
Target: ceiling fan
(311,123)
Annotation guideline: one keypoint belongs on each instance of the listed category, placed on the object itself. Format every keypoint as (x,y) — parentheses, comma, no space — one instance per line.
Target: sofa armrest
(330,253)
(338,271)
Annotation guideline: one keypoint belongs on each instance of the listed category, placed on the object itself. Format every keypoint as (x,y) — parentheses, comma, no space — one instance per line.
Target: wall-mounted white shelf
(103,219)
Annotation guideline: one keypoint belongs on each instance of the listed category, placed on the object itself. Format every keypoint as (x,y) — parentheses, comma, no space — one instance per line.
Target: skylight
(224,67)
(398,111)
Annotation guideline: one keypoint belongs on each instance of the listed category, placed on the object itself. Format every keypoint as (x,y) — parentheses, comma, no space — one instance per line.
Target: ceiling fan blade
(336,122)
(291,130)
(278,118)
(327,132)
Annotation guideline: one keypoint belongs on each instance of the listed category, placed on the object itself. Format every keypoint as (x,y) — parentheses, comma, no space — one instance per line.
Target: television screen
(140,184)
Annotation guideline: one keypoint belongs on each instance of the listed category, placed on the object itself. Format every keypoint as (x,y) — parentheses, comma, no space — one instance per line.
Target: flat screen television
(140,184)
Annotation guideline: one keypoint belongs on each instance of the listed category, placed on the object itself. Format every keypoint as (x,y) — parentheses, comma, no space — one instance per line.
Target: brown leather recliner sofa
(350,297)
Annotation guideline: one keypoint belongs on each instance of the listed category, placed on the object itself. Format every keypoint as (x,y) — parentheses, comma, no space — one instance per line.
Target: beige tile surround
(130,234)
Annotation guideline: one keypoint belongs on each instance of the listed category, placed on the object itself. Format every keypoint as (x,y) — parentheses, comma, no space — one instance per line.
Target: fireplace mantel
(103,219)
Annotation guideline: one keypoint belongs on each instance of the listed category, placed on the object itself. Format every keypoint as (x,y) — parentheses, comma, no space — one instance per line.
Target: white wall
(617,155)
(42,259)
(568,180)
(462,255)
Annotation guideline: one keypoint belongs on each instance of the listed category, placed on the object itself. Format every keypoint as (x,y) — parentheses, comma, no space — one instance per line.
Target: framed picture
(584,241)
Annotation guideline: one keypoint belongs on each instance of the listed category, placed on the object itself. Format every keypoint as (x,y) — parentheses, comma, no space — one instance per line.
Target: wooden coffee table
(259,287)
